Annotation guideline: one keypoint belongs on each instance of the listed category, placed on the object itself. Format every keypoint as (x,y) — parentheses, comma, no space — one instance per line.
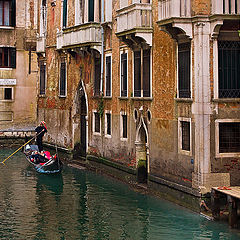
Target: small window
(96,120)
(108,124)
(123,127)
(8,94)
(91,10)
(124,75)
(229,137)
(185,135)
(108,86)
(7,57)
(63,79)
(42,78)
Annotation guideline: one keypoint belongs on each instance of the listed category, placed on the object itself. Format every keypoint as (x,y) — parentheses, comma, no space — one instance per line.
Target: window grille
(7,93)
(124,126)
(229,69)
(63,79)
(185,135)
(229,137)
(108,76)
(42,78)
(184,70)
(108,116)
(96,122)
(124,75)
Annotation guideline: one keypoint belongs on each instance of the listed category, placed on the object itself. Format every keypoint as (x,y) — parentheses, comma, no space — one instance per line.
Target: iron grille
(229,69)
(97,122)
(229,137)
(185,135)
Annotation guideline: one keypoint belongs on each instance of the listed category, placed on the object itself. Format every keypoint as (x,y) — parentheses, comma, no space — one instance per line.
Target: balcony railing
(228,7)
(41,44)
(81,35)
(138,15)
(174,9)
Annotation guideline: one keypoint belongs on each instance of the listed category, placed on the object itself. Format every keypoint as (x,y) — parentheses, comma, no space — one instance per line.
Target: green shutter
(13,17)
(65,13)
(91,10)
(12,52)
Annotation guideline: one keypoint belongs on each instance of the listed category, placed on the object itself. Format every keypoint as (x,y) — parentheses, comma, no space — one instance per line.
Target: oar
(20,148)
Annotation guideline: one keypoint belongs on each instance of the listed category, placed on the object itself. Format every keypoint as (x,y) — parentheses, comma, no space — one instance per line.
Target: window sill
(62,96)
(107,97)
(142,98)
(228,155)
(97,134)
(7,100)
(123,98)
(187,100)
(6,68)
(7,27)
(224,100)
(42,95)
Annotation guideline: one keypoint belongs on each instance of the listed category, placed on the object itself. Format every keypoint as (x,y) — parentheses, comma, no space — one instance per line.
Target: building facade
(151,84)
(18,63)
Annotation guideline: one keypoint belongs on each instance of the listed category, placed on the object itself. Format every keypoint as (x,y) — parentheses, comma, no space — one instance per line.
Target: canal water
(78,204)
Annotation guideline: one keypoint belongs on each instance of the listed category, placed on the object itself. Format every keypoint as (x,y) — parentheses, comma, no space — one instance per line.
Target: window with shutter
(42,78)
(108,76)
(7,57)
(124,75)
(63,79)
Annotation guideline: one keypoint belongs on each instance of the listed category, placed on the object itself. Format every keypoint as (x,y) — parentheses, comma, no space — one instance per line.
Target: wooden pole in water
(215,202)
(232,209)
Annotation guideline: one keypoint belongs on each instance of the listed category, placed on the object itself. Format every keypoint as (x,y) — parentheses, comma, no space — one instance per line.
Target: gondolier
(40,131)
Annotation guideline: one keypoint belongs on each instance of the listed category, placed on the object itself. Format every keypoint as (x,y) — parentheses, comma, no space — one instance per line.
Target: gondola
(42,162)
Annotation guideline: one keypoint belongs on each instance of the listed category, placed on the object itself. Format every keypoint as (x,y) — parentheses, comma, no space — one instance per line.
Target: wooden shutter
(12,52)
(137,74)
(124,75)
(146,73)
(124,121)
(91,10)
(108,76)
(64,13)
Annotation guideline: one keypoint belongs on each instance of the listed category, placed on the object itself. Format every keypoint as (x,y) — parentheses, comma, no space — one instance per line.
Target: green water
(77,204)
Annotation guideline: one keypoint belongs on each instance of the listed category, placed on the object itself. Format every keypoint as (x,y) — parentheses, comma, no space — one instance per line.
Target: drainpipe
(102,56)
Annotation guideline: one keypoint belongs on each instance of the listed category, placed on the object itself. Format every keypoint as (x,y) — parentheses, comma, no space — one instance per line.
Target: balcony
(134,22)
(41,44)
(84,35)
(225,8)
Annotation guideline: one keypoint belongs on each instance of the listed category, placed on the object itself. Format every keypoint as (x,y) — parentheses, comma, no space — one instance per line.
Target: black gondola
(43,163)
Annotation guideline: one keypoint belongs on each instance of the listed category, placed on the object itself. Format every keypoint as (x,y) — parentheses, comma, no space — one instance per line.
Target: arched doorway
(80,122)
(141,152)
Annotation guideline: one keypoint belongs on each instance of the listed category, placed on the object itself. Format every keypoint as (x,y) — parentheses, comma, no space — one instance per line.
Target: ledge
(226,100)
(111,164)
(142,98)
(175,186)
(186,100)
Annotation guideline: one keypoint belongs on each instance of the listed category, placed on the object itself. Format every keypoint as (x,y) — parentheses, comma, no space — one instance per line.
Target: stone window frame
(225,36)
(123,113)
(94,123)
(217,153)
(105,93)
(190,67)
(122,51)
(106,123)
(142,50)
(180,150)
(12,93)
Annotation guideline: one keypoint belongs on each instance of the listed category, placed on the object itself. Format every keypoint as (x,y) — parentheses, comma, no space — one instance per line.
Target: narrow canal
(77,204)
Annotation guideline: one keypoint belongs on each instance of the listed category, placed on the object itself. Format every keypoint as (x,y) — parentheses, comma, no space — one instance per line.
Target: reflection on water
(81,205)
